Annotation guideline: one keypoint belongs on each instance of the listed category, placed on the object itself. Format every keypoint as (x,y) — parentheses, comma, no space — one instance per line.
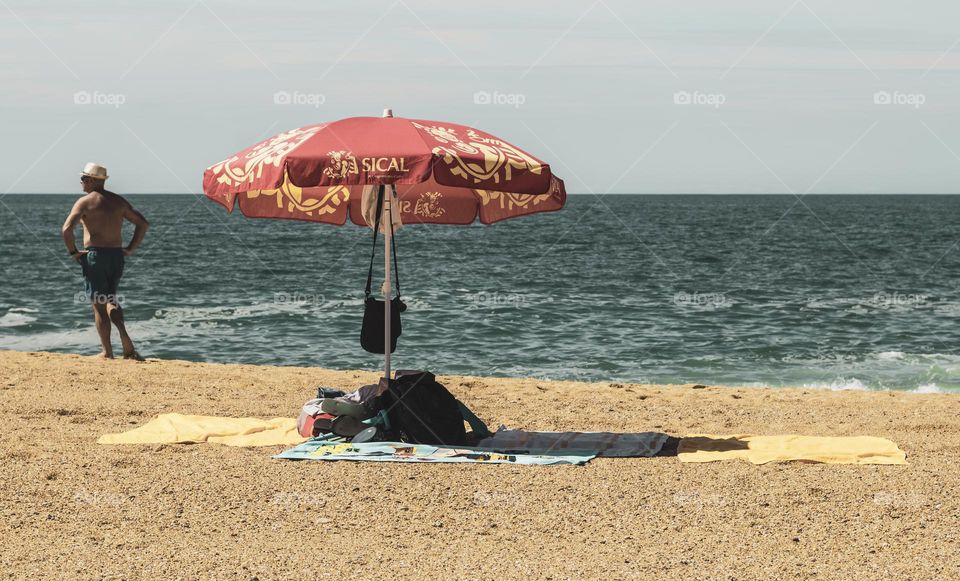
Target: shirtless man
(102,214)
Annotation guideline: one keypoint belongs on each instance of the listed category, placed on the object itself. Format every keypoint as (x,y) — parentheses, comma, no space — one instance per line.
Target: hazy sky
(619,96)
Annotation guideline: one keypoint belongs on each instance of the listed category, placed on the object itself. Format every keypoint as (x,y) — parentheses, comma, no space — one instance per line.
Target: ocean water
(840,292)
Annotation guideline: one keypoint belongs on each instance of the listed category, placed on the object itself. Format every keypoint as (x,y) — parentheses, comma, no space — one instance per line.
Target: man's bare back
(102,213)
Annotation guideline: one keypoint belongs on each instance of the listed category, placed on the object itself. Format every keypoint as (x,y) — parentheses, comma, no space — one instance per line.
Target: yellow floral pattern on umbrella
(500,159)
(233,172)
(508,201)
(292,196)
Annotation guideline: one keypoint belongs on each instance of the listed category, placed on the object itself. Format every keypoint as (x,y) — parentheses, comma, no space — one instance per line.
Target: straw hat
(95,171)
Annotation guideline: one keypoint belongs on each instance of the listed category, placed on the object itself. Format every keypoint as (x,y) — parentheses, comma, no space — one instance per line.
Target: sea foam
(17,317)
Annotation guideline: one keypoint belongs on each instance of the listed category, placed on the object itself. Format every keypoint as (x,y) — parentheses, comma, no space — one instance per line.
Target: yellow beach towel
(181,429)
(763,449)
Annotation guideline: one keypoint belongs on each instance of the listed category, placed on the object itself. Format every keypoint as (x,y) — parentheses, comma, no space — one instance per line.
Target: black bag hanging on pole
(371,333)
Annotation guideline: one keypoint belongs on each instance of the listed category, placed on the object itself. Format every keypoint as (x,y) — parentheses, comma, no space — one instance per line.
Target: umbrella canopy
(444,173)
(437,173)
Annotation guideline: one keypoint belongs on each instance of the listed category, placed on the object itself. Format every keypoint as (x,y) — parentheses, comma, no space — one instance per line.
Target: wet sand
(72,508)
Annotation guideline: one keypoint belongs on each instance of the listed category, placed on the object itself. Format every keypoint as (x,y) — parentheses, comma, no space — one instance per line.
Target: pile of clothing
(336,412)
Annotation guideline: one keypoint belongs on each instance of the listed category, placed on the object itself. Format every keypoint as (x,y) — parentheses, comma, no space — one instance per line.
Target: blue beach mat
(337,449)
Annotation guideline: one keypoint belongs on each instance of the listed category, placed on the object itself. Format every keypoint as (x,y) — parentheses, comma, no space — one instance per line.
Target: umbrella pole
(387,231)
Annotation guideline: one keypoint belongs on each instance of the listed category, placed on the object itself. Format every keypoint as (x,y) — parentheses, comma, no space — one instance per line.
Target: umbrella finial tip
(388,112)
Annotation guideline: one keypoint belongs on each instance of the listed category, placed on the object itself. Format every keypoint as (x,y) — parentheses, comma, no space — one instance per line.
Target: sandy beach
(72,508)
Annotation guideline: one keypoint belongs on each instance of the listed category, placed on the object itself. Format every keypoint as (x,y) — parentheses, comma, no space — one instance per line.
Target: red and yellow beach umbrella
(433,173)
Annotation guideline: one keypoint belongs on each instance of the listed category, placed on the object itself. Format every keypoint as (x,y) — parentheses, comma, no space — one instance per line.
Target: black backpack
(422,411)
